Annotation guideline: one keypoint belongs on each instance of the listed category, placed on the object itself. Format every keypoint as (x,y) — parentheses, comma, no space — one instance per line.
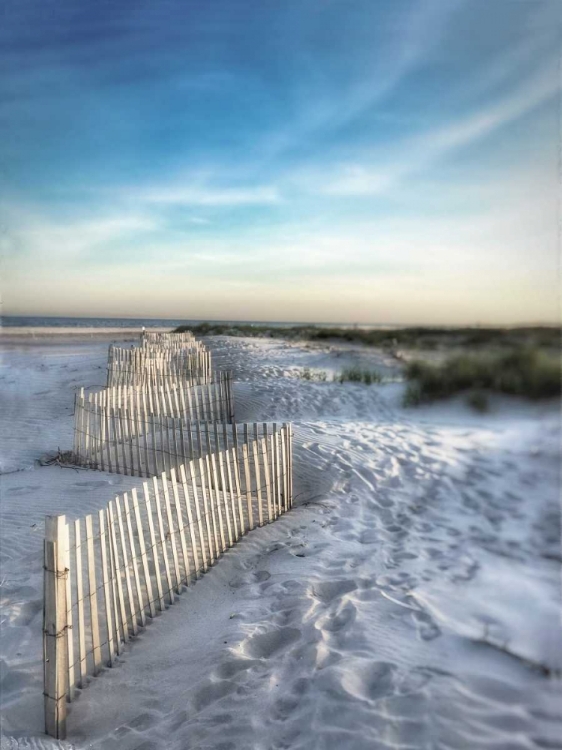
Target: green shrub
(519,372)
(413,395)
(478,401)
(405,338)
(357,375)
(318,375)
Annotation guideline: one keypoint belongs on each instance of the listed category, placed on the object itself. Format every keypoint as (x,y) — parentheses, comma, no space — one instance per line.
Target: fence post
(55,653)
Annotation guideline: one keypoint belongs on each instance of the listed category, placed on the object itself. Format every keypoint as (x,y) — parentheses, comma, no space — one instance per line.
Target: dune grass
(319,376)
(521,372)
(403,338)
(358,375)
(347,375)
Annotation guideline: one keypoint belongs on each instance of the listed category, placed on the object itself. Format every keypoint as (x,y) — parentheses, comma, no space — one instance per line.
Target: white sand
(410,600)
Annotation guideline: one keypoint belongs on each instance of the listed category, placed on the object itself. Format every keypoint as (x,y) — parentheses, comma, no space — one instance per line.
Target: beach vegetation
(524,372)
(358,375)
(395,339)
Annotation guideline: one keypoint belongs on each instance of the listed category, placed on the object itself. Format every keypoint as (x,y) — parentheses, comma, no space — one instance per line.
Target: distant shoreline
(62,322)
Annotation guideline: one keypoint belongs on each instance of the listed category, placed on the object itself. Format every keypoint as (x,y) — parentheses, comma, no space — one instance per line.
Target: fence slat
(181,527)
(55,652)
(258,480)
(92,595)
(117,584)
(144,560)
(192,529)
(205,544)
(163,536)
(80,601)
(172,533)
(69,629)
(154,548)
(107,589)
(120,532)
(248,481)
(211,539)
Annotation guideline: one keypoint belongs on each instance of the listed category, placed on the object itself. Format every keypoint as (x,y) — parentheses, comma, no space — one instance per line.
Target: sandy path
(410,600)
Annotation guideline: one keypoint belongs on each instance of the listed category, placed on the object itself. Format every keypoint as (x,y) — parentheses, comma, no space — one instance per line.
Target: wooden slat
(216,493)
(212,504)
(116,566)
(258,480)
(54,623)
(204,545)
(208,516)
(69,629)
(107,589)
(80,602)
(267,478)
(163,538)
(122,439)
(225,499)
(154,548)
(238,491)
(138,609)
(122,543)
(154,449)
(92,595)
(248,483)
(231,492)
(171,532)
(278,470)
(193,530)
(181,526)
(274,495)
(145,430)
(143,557)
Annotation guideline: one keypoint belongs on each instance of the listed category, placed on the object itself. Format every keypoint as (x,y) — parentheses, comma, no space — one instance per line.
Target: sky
(354,161)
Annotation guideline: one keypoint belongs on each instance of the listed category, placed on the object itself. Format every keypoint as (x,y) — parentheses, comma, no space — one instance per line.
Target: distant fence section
(152,364)
(167,339)
(134,430)
(166,416)
(107,576)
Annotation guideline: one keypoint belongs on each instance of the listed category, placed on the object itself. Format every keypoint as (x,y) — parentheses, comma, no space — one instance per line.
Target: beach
(410,599)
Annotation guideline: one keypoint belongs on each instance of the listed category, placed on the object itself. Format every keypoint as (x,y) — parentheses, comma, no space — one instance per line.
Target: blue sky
(355,161)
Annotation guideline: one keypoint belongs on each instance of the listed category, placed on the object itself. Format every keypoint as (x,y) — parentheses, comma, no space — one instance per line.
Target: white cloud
(421,151)
(50,241)
(208,196)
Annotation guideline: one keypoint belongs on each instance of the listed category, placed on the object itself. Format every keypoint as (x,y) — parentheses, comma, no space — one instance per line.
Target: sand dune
(410,600)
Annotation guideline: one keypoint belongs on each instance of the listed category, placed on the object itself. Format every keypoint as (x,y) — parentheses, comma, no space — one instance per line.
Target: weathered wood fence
(156,364)
(124,429)
(107,576)
(158,444)
(169,339)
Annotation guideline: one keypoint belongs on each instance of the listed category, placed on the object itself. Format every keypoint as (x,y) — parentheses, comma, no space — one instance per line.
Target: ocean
(10,321)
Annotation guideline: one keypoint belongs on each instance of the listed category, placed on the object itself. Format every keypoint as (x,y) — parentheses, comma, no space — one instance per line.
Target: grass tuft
(391,339)
(520,372)
(319,376)
(358,375)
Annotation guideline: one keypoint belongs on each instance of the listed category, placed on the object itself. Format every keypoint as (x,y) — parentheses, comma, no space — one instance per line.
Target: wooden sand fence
(125,428)
(108,575)
(156,364)
(154,337)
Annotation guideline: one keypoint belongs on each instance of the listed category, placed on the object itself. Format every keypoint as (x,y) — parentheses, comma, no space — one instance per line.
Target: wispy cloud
(400,50)
(208,196)
(421,151)
(49,241)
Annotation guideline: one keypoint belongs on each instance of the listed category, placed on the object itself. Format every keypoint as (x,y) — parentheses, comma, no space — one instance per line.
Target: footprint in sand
(333,623)
(372,681)
(211,692)
(426,627)
(264,645)
(329,590)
